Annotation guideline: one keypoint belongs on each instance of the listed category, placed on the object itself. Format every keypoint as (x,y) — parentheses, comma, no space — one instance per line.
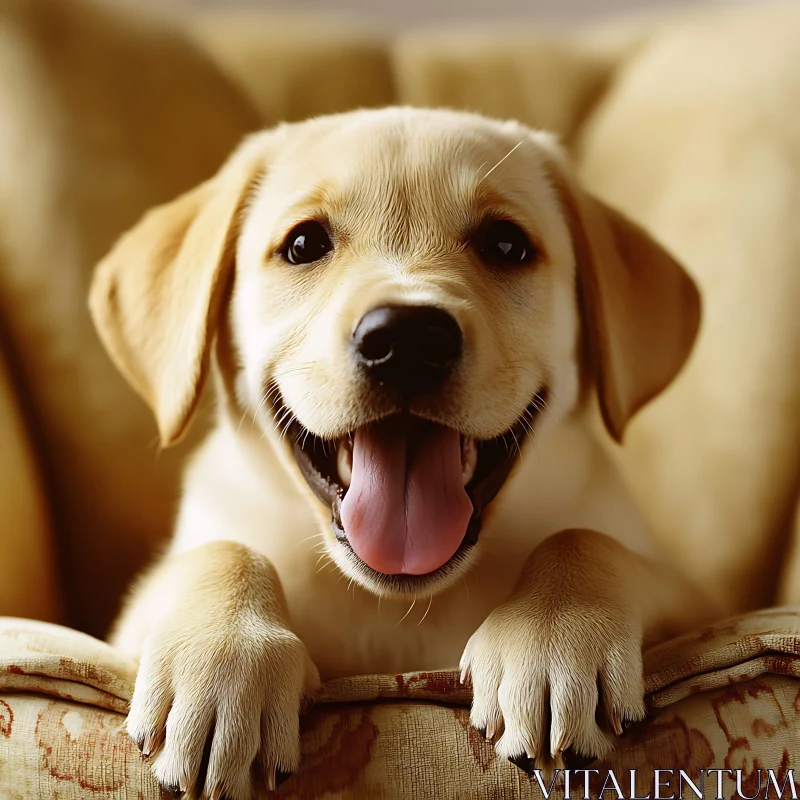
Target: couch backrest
(104,115)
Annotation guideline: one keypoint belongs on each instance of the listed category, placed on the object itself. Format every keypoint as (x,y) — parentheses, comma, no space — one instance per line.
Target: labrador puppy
(414,320)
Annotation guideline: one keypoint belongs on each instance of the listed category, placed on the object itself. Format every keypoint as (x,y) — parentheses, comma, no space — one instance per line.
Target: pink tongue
(406,511)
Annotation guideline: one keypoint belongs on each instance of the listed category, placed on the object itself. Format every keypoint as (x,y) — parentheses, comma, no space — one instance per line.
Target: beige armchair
(690,123)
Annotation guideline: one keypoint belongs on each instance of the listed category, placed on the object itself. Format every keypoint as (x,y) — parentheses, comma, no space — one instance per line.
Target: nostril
(375,344)
(439,344)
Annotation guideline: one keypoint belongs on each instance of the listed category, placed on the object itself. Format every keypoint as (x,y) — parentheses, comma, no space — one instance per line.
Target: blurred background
(685,115)
(416,12)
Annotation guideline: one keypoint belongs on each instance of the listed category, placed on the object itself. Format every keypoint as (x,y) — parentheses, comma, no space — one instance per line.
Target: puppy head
(402,293)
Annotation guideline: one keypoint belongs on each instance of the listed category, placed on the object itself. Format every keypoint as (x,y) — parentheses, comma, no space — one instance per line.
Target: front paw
(548,677)
(219,709)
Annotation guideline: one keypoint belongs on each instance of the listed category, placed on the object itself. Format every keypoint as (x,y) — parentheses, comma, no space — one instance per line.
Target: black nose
(407,348)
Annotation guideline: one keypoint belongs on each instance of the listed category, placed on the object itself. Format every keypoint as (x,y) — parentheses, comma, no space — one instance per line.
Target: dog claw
(524,762)
(149,744)
(276,779)
(281,778)
(628,724)
(574,760)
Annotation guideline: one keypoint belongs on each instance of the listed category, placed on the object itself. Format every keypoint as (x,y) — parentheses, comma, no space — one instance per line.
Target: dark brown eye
(306,243)
(503,243)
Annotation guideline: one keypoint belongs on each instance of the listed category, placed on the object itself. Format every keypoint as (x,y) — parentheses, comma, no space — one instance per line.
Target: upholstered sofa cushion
(296,66)
(726,697)
(28,585)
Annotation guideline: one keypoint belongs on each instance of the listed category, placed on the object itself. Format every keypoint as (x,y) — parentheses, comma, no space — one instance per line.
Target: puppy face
(409,289)
(405,301)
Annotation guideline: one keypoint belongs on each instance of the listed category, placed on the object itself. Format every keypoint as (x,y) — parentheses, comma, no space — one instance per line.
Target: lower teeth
(344,464)
(469,460)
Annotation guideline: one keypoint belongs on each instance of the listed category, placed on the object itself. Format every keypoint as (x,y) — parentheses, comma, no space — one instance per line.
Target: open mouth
(407,496)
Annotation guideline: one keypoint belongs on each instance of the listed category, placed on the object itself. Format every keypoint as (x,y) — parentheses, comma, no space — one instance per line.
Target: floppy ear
(640,309)
(155,298)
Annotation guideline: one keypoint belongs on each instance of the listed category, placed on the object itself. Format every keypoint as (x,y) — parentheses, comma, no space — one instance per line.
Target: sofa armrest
(724,697)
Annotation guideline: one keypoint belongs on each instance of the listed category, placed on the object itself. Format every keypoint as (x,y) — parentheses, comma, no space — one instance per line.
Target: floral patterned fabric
(726,697)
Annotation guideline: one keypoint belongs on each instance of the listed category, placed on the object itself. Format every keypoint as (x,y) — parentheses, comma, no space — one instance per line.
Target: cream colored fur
(252,602)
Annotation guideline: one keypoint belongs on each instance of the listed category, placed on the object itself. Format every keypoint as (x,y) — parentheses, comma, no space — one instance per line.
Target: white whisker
(430,602)
(516,441)
(258,408)
(501,161)
(309,538)
(410,608)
